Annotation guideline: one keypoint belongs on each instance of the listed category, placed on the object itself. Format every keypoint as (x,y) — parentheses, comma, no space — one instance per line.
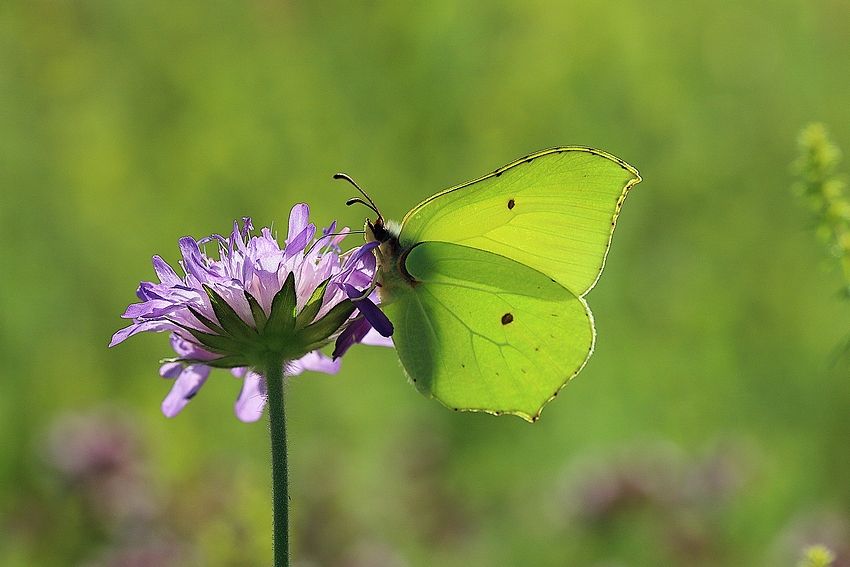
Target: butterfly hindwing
(479,331)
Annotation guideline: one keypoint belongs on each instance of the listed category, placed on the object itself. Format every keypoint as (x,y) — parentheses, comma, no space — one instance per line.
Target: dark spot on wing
(507,318)
(511,204)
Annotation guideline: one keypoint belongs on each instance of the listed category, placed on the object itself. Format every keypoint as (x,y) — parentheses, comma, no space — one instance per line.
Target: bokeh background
(709,428)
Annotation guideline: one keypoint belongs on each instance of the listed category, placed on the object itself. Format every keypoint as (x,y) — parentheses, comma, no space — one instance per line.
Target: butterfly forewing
(553,211)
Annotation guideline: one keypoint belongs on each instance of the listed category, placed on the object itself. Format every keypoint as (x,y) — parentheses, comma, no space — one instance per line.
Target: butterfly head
(382,230)
(379,231)
(389,254)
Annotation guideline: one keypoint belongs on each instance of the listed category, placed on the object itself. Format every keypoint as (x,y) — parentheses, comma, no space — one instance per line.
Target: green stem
(280,480)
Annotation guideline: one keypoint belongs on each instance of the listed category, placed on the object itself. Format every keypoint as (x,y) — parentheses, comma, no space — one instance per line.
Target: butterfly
(484,283)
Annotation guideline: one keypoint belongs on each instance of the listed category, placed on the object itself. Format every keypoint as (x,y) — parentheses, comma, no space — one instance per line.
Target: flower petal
(193,261)
(299,242)
(252,399)
(299,216)
(149,309)
(314,361)
(185,388)
(373,314)
(188,349)
(374,338)
(170,370)
(350,336)
(165,273)
(126,332)
(359,268)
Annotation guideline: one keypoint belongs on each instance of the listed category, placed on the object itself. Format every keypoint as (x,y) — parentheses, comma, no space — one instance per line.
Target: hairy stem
(280,478)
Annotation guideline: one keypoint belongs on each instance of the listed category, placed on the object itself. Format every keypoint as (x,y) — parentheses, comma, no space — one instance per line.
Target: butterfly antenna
(370,204)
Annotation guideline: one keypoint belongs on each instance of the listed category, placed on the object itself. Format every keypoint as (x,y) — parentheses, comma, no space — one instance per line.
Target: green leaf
(281,322)
(230,321)
(208,323)
(259,315)
(216,344)
(320,331)
(314,304)
(227,361)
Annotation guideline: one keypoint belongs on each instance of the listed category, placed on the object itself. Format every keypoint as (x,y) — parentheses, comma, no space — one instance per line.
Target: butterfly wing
(553,211)
(479,331)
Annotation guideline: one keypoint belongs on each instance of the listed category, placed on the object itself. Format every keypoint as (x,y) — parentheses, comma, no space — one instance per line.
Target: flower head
(258,302)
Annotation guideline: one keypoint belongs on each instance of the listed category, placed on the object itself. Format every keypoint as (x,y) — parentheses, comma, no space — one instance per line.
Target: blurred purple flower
(98,455)
(256,299)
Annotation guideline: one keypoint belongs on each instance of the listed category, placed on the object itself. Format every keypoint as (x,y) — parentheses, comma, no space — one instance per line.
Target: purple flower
(373,328)
(257,302)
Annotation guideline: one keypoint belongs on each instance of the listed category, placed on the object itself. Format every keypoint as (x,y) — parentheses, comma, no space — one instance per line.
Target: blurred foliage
(713,429)
(824,188)
(817,556)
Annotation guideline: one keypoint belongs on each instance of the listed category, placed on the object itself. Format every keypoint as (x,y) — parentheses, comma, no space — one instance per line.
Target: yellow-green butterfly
(485,282)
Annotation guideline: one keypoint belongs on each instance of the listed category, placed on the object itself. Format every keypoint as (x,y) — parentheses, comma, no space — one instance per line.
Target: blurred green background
(709,428)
